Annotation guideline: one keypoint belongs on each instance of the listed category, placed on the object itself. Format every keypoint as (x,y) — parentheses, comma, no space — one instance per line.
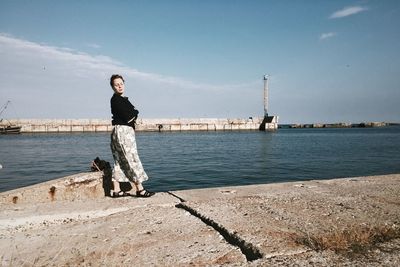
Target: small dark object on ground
(102,165)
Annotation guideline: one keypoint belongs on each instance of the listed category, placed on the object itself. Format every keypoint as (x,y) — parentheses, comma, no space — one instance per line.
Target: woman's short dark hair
(113,77)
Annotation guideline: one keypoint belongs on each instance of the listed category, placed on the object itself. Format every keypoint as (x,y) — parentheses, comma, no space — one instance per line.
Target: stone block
(76,128)
(185,127)
(89,128)
(219,127)
(212,127)
(175,127)
(64,128)
(148,127)
(228,127)
(199,127)
(39,128)
(101,128)
(235,126)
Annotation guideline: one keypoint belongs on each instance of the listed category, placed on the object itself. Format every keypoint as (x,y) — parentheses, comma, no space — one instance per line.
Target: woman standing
(127,164)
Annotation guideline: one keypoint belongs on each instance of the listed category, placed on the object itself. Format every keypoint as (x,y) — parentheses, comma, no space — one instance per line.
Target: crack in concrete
(178,197)
(250,251)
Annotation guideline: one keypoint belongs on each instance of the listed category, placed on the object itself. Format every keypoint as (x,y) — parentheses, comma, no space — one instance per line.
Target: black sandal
(144,193)
(120,194)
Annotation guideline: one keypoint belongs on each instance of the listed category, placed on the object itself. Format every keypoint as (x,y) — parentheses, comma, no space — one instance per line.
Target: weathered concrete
(338,125)
(257,225)
(96,125)
(77,187)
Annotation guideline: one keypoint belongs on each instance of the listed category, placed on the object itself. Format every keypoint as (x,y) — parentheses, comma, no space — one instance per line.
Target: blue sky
(328,61)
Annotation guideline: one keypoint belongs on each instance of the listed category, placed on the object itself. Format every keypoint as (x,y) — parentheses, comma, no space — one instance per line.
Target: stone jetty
(98,125)
(339,222)
(339,125)
(152,125)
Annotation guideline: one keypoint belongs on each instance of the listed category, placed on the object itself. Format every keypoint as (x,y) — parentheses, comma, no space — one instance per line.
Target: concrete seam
(250,251)
(180,199)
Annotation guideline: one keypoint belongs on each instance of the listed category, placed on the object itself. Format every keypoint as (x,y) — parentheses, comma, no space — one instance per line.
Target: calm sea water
(186,160)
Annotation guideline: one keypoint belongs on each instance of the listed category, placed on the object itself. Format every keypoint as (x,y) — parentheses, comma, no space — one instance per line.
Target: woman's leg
(117,188)
(138,186)
(117,173)
(129,160)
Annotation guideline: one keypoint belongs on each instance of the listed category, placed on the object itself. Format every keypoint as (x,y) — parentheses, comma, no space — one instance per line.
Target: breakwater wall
(338,125)
(98,125)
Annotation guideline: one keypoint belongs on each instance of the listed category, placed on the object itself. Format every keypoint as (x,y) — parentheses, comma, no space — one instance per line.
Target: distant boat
(8,129)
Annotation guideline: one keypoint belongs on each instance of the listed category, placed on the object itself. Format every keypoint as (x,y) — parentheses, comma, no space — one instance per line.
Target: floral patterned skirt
(127,164)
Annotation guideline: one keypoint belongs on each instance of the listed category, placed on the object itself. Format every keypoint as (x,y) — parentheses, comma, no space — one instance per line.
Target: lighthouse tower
(269,122)
(265,95)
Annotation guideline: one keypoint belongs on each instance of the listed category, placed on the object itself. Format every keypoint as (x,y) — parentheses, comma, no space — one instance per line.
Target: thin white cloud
(81,61)
(93,45)
(57,82)
(348,11)
(327,35)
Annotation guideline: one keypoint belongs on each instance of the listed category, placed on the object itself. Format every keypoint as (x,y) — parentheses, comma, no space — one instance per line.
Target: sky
(327,61)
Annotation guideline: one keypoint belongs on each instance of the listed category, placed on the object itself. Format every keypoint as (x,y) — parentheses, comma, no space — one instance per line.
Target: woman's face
(118,86)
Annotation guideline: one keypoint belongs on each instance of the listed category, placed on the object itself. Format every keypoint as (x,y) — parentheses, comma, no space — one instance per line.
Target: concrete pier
(338,222)
(97,125)
(339,125)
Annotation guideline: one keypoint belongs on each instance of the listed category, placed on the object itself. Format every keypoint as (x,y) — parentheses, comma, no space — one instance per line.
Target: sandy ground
(68,222)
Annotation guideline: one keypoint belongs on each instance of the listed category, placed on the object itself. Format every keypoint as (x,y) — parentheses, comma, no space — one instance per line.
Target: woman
(127,164)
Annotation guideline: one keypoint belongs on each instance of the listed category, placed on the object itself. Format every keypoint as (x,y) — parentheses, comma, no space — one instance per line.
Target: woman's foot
(144,193)
(120,194)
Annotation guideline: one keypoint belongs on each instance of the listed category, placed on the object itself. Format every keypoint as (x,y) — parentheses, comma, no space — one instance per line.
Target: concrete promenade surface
(68,222)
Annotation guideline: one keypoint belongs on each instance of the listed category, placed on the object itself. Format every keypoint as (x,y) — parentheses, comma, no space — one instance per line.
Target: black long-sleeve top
(124,113)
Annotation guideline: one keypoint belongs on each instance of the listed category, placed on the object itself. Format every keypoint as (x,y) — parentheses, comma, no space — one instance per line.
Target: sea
(189,160)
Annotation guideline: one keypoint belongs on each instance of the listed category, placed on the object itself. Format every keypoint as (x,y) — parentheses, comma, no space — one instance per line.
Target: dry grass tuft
(354,240)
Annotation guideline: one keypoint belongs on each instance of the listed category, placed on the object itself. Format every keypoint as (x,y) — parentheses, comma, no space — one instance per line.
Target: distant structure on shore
(265,95)
(339,125)
(267,119)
